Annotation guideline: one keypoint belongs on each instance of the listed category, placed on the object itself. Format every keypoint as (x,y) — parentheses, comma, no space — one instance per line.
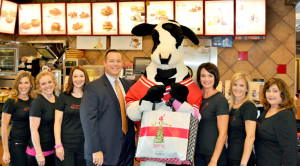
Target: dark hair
(212,69)
(109,51)
(70,85)
(287,99)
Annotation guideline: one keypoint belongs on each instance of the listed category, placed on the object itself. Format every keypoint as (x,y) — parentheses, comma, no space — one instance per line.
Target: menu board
(105,18)
(159,11)
(8,17)
(219,17)
(130,15)
(54,18)
(190,14)
(79,19)
(30,19)
(250,17)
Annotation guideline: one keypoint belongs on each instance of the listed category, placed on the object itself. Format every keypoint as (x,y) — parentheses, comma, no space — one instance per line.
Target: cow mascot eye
(166,84)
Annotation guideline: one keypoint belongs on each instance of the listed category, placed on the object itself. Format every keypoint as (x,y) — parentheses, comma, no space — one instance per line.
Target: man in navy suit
(108,140)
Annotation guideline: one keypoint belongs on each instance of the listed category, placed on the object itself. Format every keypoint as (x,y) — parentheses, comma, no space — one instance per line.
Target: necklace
(239,102)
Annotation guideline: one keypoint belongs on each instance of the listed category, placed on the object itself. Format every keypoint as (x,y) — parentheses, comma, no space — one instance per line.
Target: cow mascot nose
(166,81)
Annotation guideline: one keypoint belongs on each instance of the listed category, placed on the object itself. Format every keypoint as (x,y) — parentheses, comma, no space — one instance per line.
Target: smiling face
(207,79)
(46,85)
(239,89)
(24,86)
(273,96)
(78,78)
(113,64)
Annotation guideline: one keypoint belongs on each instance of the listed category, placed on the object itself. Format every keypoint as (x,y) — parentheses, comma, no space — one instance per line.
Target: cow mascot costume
(166,81)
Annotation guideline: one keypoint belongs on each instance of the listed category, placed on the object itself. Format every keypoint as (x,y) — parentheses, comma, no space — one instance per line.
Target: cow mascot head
(166,83)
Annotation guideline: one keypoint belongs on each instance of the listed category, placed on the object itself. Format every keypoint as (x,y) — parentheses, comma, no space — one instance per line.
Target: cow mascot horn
(166,81)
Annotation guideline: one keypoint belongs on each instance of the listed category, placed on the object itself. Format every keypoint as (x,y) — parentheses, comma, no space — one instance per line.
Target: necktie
(122,106)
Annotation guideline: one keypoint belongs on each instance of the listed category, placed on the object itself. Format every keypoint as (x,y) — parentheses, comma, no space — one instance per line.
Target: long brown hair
(70,85)
(38,78)
(15,92)
(287,99)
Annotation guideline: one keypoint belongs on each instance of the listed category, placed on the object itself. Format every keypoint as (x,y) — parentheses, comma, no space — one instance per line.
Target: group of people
(87,123)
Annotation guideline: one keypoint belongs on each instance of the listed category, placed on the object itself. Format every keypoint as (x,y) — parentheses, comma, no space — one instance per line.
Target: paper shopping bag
(168,137)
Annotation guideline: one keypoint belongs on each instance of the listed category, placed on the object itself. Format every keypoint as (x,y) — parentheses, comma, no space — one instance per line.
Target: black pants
(50,160)
(230,162)
(73,157)
(17,153)
(203,160)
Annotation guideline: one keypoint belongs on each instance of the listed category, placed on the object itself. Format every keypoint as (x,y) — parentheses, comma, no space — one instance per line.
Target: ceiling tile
(229,56)
(281,55)
(290,69)
(272,18)
(256,75)
(285,78)
(269,45)
(256,56)
(290,18)
(290,43)
(222,66)
(281,9)
(242,66)
(227,76)
(282,31)
(243,45)
(267,68)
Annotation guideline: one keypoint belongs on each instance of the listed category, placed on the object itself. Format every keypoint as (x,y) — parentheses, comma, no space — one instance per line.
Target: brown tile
(269,2)
(242,66)
(41,38)
(290,18)
(22,38)
(285,78)
(131,54)
(220,49)
(222,66)
(51,37)
(267,68)
(282,31)
(272,18)
(147,43)
(92,56)
(290,43)
(279,7)
(292,89)
(229,56)
(243,45)
(63,37)
(256,55)
(227,76)
(256,75)
(32,37)
(281,55)
(71,38)
(269,45)
(290,69)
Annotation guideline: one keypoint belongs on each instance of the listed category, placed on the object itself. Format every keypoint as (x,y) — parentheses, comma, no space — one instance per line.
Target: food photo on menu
(54,20)
(105,18)
(30,19)
(159,11)
(8,17)
(79,18)
(138,11)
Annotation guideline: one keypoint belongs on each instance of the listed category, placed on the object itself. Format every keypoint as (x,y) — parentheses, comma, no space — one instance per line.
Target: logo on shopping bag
(159,137)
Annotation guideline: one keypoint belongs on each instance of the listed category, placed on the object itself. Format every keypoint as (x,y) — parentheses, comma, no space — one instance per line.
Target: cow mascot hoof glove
(166,82)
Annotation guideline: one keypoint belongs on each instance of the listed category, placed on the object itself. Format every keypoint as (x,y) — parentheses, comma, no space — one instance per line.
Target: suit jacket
(101,120)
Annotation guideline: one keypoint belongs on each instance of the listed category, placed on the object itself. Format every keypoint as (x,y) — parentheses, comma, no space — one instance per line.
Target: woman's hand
(6,157)
(40,160)
(60,153)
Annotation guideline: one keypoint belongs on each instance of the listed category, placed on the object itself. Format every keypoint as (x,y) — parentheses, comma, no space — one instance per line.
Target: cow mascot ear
(143,29)
(190,34)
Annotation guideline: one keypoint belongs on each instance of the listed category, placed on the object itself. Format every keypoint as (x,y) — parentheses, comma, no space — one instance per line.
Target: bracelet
(39,155)
(58,146)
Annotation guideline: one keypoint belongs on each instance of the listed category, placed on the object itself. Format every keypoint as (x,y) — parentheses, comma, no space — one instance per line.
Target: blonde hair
(38,79)
(15,90)
(236,77)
